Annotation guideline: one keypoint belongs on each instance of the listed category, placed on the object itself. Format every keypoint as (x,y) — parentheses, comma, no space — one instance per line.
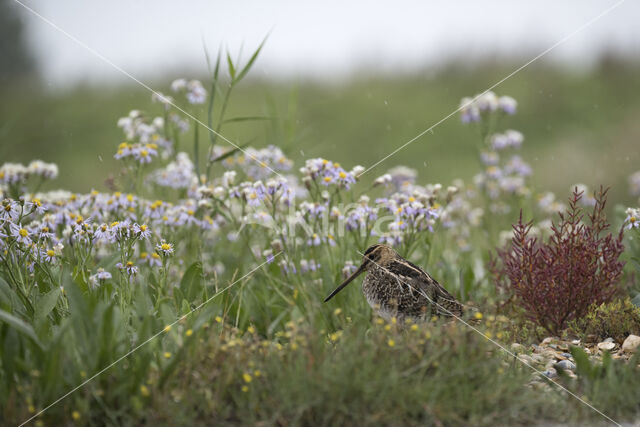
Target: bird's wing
(422,281)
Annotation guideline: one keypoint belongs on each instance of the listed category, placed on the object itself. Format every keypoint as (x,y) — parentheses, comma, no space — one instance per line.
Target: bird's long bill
(346,282)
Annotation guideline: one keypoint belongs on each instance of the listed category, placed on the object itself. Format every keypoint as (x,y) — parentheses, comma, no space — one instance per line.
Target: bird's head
(380,255)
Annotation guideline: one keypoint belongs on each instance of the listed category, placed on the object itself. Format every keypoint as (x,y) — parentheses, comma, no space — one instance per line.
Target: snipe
(396,287)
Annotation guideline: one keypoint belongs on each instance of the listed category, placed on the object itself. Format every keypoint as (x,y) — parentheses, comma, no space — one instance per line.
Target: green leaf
(253,58)
(232,68)
(46,303)
(228,153)
(247,119)
(7,295)
(19,325)
(636,300)
(192,281)
(583,365)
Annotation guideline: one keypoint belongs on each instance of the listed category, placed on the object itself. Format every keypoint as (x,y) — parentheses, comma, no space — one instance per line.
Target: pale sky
(319,39)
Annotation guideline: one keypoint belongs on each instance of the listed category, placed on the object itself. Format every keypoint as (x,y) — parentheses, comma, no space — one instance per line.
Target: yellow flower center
(144,153)
(23,233)
(327,179)
(343,175)
(165,246)
(143,227)
(50,252)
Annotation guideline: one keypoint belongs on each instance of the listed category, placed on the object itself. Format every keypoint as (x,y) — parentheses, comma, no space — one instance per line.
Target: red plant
(557,281)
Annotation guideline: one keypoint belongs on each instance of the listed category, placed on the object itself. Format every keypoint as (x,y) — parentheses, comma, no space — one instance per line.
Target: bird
(397,288)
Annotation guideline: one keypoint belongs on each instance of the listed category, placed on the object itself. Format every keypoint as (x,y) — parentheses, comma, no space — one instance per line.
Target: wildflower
(20,233)
(196,93)
(477,315)
(75,415)
(142,231)
(177,174)
(49,255)
(257,373)
(37,206)
(307,266)
(268,254)
(244,389)
(144,390)
(335,336)
(507,104)
(130,268)
(414,327)
(99,278)
(487,101)
(9,210)
(167,328)
(314,240)
(391,343)
(633,218)
(164,248)
(167,355)
(246,377)
(251,329)
(382,180)
(218,319)
(469,111)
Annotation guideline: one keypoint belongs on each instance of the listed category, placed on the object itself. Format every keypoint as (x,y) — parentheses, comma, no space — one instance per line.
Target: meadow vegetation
(188,290)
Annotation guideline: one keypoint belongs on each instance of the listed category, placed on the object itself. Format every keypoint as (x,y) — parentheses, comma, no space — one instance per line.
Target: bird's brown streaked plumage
(395,287)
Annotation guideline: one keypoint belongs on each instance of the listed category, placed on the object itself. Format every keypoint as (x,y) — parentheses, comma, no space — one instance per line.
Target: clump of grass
(427,374)
(617,319)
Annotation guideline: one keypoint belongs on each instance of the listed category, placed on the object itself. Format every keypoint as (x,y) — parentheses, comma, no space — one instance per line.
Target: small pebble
(567,355)
(607,345)
(565,365)
(550,373)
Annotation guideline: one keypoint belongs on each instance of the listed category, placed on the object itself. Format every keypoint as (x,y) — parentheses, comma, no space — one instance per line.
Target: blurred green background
(580,125)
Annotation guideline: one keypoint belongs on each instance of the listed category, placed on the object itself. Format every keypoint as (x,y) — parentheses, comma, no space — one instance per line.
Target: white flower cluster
(193,90)
(14,173)
(177,174)
(472,109)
